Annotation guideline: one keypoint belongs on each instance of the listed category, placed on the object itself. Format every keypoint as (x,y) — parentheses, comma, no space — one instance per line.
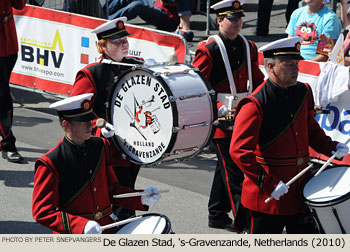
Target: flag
(337,55)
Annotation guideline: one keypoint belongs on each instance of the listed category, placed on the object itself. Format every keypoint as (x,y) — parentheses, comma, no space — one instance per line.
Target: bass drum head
(148,224)
(330,187)
(142,116)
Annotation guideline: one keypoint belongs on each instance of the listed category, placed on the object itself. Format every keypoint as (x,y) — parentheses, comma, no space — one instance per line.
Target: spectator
(291,6)
(185,11)
(344,14)
(85,7)
(309,23)
(225,194)
(345,21)
(161,13)
(8,58)
(273,130)
(264,14)
(74,182)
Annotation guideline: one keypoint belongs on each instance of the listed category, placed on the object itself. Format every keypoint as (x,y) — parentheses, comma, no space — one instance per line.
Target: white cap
(113,29)
(77,108)
(287,47)
(229,8)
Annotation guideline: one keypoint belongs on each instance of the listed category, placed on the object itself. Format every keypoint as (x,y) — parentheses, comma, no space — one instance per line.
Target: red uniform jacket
(272,131)
(209,61)
(98,78)
(8,35)
(73,185)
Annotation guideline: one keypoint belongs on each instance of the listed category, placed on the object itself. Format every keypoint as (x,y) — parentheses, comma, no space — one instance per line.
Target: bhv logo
(40,52)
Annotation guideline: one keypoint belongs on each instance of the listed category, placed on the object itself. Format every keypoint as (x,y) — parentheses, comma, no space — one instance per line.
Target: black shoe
(188,35)
(228,226)
(13,157)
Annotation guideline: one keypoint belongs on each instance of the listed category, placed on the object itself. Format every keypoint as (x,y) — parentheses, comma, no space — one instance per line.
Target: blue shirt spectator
(310,25)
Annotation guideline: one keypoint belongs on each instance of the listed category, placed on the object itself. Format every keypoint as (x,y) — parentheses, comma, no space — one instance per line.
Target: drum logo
(142,116)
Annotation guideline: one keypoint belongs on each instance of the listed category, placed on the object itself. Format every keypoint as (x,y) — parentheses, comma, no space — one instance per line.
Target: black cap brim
(85,118)
(82,117)
(292,56)
(235,15)
(120,35)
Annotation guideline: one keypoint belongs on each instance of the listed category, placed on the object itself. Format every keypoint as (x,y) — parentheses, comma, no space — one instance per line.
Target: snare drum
(161,113)
(148,224)
(327,196)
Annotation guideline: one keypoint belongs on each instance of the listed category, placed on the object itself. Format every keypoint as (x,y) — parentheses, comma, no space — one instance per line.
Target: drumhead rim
(214,106)
(173,108)
(327,203)
(167,227)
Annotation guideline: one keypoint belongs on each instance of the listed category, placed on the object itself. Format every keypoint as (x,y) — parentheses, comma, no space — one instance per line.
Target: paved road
(37,130)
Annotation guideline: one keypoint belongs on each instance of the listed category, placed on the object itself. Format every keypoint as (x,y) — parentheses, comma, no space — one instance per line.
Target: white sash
(231,100)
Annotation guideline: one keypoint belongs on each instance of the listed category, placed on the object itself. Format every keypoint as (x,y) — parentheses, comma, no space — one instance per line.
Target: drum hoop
(327,203)
(167,227)
(173,108)
(213,102)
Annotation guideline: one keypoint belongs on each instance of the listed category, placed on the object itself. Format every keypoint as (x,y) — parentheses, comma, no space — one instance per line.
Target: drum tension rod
(186,71)
(177,129)
(184,97)
(177,152)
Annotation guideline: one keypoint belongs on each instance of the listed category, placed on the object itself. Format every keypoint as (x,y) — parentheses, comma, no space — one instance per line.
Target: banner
(336,124)
(55,45)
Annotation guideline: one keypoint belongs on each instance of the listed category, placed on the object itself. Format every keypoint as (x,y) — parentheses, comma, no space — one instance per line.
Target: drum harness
(234,96)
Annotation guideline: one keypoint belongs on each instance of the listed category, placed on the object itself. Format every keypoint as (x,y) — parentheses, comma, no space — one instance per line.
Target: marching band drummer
(273,129)
(98,78)
(226,188)
(74,182)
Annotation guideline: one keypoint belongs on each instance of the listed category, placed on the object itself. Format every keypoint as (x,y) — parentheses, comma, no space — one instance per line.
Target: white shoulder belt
(234,97)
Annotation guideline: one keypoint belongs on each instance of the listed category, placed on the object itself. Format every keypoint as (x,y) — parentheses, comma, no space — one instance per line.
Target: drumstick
(329,160)
(293,179)
(118,223)
(111,62)
(135,194)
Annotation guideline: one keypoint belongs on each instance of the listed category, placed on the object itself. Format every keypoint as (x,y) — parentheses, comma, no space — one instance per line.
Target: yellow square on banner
(42,61)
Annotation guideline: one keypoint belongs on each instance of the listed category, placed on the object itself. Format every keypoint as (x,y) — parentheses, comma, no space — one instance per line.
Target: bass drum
(327,196)
(161,113)
(148,224)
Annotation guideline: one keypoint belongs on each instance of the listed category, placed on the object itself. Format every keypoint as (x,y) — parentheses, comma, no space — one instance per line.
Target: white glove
(108,130)
(92,227)
(223,110)
(280,190)
(151,199)
(342,150)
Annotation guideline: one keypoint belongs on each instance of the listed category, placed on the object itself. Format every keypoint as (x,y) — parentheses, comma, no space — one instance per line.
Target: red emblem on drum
(148,118)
